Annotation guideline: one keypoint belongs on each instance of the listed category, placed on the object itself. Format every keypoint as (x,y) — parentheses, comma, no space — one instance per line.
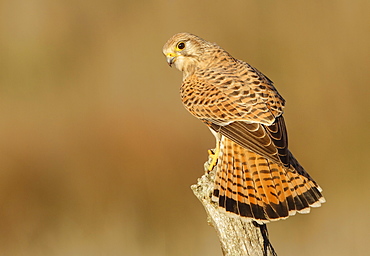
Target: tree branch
(237,237)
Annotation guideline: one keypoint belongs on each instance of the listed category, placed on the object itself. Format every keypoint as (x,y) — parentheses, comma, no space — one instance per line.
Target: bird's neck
(211,58)
(215,57)
(189,68)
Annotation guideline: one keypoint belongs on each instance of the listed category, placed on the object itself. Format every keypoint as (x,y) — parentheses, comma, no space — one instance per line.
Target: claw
(214,156)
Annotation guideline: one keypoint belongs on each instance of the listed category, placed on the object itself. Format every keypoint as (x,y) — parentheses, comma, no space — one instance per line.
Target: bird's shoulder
(233,85)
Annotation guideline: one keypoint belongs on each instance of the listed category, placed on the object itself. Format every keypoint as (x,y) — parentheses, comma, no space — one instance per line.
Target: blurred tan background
(97,154)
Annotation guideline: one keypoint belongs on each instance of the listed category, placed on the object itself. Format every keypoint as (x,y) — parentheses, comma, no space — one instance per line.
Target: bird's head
(184,50)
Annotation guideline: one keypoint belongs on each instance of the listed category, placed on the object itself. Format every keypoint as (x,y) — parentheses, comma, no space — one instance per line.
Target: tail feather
(274,208)
(252,202)
(252,186)
(301,204)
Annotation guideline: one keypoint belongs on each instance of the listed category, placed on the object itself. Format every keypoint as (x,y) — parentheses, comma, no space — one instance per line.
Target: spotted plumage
(257,177)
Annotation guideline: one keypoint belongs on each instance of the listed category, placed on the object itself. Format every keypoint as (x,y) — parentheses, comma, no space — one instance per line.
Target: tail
(254,187)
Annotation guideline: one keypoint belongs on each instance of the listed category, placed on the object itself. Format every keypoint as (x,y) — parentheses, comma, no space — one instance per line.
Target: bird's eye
(180,45)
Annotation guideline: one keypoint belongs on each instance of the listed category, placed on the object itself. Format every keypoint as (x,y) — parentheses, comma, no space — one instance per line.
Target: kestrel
(257,177)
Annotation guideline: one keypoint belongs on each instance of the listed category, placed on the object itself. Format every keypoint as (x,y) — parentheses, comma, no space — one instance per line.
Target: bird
(257,177)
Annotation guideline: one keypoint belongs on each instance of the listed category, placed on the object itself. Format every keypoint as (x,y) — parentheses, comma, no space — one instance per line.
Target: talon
(213,162)
(214,156)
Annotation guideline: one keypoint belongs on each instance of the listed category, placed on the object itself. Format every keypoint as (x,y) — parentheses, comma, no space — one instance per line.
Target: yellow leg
(214,156)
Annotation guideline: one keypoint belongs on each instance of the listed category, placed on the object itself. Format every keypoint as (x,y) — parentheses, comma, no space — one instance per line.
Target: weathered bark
(237,237)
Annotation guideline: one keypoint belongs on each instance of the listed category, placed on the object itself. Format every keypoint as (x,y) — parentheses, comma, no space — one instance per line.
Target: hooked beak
(171,58)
